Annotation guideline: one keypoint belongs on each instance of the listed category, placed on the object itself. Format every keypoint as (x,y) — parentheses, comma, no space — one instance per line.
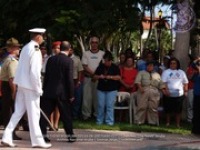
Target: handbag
(121,102)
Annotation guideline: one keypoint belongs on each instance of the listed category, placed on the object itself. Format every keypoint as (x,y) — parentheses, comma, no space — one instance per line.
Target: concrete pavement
(112,140)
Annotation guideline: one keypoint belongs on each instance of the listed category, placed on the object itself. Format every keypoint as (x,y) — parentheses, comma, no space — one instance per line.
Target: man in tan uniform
(8,87)
(148,96)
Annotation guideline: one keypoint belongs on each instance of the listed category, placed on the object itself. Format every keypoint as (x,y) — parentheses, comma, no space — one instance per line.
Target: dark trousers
(78,102)
(64,106)
(7,102)
(8,105)
(196,115)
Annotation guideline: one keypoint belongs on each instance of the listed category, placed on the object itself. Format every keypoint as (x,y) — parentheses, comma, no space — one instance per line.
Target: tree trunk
(182,48)
(181,53)
(81,42)
(195,43)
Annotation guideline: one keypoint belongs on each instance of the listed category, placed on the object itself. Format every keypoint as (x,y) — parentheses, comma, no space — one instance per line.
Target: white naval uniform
(28,79)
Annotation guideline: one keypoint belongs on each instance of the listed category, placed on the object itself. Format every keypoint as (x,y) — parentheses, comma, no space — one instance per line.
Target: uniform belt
(150,86)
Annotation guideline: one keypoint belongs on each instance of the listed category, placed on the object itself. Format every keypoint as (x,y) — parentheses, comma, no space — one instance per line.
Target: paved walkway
(112,140)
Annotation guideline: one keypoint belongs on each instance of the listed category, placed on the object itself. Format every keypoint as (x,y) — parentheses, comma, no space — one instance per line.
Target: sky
(166,11)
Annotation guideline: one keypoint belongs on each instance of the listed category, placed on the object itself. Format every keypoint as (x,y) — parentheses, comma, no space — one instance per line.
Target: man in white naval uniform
(28,80)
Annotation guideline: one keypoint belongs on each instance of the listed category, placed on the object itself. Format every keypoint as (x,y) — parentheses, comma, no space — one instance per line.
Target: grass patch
(184,130)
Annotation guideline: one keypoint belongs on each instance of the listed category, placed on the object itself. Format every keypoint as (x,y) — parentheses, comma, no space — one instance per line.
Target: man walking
(28,80)
(59,90)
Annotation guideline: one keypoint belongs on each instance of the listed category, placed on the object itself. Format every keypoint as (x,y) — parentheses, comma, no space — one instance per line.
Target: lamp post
(159,34)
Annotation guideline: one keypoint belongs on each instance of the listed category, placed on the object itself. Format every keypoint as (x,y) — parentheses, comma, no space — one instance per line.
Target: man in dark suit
(59,90)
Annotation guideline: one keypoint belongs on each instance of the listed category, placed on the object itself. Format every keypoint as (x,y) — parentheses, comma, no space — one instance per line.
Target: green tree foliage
(76,20)
(64,19)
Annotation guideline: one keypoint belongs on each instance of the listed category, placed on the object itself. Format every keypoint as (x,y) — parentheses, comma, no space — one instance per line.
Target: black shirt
(108,84)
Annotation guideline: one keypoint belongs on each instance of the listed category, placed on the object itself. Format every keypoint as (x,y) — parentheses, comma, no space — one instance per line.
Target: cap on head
(65,45)
(37,30)
(13,42)
(54,44)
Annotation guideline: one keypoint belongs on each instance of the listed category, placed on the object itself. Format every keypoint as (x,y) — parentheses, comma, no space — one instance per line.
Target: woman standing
(190,72)
(176,84)
(55,115)
(108,75)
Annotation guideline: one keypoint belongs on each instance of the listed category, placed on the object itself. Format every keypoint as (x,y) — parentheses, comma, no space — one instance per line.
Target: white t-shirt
(175,80)
(92,59)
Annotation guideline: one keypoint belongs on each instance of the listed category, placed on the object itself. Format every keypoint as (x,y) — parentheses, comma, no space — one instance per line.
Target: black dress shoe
(15,137)
(47,140)
(71,139)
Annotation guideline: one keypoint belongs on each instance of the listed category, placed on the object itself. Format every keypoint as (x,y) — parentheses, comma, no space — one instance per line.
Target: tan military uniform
(7,72)
(147,102)
(8,68)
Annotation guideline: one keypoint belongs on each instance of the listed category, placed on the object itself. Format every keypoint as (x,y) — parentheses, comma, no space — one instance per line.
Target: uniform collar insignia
(37,48)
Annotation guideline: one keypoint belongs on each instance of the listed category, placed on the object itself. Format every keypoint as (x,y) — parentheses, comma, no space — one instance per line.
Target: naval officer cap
(37,30)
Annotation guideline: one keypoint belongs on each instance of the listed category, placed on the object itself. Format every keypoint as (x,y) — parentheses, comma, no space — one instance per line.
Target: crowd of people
(66,87)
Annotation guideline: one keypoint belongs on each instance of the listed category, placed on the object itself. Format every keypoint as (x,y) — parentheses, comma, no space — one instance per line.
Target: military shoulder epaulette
(12,58)
(37,48)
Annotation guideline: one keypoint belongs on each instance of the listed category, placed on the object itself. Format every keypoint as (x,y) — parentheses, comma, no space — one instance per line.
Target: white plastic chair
(124,95)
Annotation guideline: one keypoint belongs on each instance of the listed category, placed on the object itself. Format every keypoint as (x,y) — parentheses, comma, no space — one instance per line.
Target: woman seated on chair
(108,75)
(148,96)
(128,75)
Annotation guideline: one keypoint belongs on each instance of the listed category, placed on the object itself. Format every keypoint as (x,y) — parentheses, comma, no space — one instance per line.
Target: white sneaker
(45,146)
(7,144)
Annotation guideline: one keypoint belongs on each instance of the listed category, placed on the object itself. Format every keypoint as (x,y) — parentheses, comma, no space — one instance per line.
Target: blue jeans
(105,108)
(78,101)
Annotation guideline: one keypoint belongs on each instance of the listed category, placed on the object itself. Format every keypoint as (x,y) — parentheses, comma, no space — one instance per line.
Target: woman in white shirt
(176,84)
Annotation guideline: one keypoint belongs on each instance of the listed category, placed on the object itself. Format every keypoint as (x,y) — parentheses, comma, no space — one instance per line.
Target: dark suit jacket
(58,79)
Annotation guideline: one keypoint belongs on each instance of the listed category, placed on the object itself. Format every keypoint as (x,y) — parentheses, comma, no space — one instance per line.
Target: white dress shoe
(6,144)
(47,145)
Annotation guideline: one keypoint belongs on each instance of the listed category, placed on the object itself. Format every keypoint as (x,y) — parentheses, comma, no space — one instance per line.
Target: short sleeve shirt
(108,84)
(77,66)
(92,59)
(8,68)
(146,79)
(175,80)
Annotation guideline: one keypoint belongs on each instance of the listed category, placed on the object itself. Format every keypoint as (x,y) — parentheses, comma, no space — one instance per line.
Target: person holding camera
(196,100)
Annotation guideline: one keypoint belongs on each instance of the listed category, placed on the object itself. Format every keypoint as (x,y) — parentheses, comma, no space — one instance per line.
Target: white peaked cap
(37,30)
